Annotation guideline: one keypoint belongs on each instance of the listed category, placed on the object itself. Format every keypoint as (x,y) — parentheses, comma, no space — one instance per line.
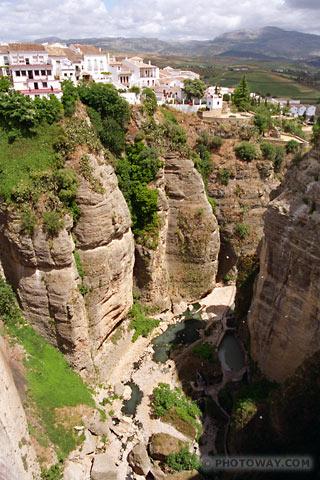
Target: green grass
(265,82)
(139,322)
(23,159)
(51,382)
(165,402)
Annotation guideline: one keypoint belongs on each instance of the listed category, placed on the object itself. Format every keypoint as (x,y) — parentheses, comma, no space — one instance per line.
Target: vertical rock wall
(285,313)
(44,274)
(17,456)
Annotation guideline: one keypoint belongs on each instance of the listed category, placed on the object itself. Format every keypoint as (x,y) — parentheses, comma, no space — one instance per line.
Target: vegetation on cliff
(52,385)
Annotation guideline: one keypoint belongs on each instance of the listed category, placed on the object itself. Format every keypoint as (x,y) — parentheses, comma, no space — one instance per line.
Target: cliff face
(17,457)
(193,239)
(44,274)
(185,262)
(284,319)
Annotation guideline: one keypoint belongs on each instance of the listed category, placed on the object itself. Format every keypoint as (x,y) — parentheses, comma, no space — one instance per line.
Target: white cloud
(171,19)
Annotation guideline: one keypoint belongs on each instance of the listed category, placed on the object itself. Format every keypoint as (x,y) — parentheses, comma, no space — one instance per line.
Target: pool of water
(230,353)
(183,333)
(130,406)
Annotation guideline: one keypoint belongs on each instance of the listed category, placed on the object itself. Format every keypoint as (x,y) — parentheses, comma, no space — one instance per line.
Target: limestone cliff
(44,274)
(17,457)
(193,239)
(284,319)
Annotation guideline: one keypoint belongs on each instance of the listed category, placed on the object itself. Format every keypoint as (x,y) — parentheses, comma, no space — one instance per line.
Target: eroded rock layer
(284,319)
(43,270)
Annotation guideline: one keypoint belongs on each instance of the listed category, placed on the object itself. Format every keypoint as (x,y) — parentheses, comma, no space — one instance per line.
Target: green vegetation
(169,116)
(53,222)
(183,460)
(194,88)
(246,151)
(242,230)
(139,322)
(224,176)
(262,121)
(69,97)
(275,153)
(109,114)
(149,100)
(241,95)
(51,382)
(20,116)
(164,400)
(248,398)
(55,472)
(5,83)
(135,172)
(292,146)
(205,351)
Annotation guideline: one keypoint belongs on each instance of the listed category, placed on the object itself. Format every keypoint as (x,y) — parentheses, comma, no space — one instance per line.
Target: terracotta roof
(26,47)
(4,49)
(88,49)
(64,52)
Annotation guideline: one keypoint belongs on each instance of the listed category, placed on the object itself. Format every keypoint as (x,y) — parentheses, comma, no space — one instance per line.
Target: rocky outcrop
(193,242)
(284,319)
(44,273)
(241,199)
(17,457)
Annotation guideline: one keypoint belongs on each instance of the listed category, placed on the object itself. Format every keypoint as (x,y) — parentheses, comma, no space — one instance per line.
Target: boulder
(162,444)
(103,468)
(138,459)
(77,470)
(96,426)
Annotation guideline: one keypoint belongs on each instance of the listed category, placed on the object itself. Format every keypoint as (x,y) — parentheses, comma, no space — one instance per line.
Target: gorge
(74,286)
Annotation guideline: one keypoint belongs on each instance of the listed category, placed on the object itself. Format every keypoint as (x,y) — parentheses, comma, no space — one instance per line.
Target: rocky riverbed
(120,445)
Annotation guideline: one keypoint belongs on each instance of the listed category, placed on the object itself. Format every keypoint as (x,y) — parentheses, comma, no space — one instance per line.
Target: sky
(164,19)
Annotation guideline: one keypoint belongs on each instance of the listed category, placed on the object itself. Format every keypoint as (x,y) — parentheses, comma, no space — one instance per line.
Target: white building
(66,62)
(142,74)
(4,60)
(95,63)
(299,110)
(174,73)
(32,71)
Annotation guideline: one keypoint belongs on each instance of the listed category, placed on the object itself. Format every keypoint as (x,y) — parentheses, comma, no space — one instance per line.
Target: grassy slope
(24,157)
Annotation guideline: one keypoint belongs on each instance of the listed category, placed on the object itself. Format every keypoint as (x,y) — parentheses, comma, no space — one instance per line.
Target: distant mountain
(262,43)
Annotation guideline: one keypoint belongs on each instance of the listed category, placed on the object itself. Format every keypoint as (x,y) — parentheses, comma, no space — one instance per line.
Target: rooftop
(64,52)
(88,49)
(26,47)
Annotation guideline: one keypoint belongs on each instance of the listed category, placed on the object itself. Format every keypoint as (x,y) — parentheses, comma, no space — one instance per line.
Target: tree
(262,122)
(5,83)
(241,95)
(194,88)
(149,100)
(247,151)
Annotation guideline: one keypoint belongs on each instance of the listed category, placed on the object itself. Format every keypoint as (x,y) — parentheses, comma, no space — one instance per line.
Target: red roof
(42,90)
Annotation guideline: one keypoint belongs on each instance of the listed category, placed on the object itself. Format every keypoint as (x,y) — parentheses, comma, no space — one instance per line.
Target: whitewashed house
(66,62)
(4,60)
(300,110)
(95,63)
(32,71)
(142,74)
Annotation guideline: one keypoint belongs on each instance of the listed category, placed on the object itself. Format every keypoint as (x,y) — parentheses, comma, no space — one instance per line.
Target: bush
(215,143)
(53,222)
(292,146)
(69,97)
(204,351)
(149,100)
(242,230)
(246,151)
(183,460)
(139,322)
(28,222)
(224,176)
(268,150)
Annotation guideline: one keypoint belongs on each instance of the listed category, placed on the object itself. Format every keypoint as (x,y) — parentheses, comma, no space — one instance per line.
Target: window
(45,84)
(65,74)
(27,61)
(43,72)
(36,72)
(36,86)
(48,72)
(18,74)
(23,73)
(95,64)
(89,65)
